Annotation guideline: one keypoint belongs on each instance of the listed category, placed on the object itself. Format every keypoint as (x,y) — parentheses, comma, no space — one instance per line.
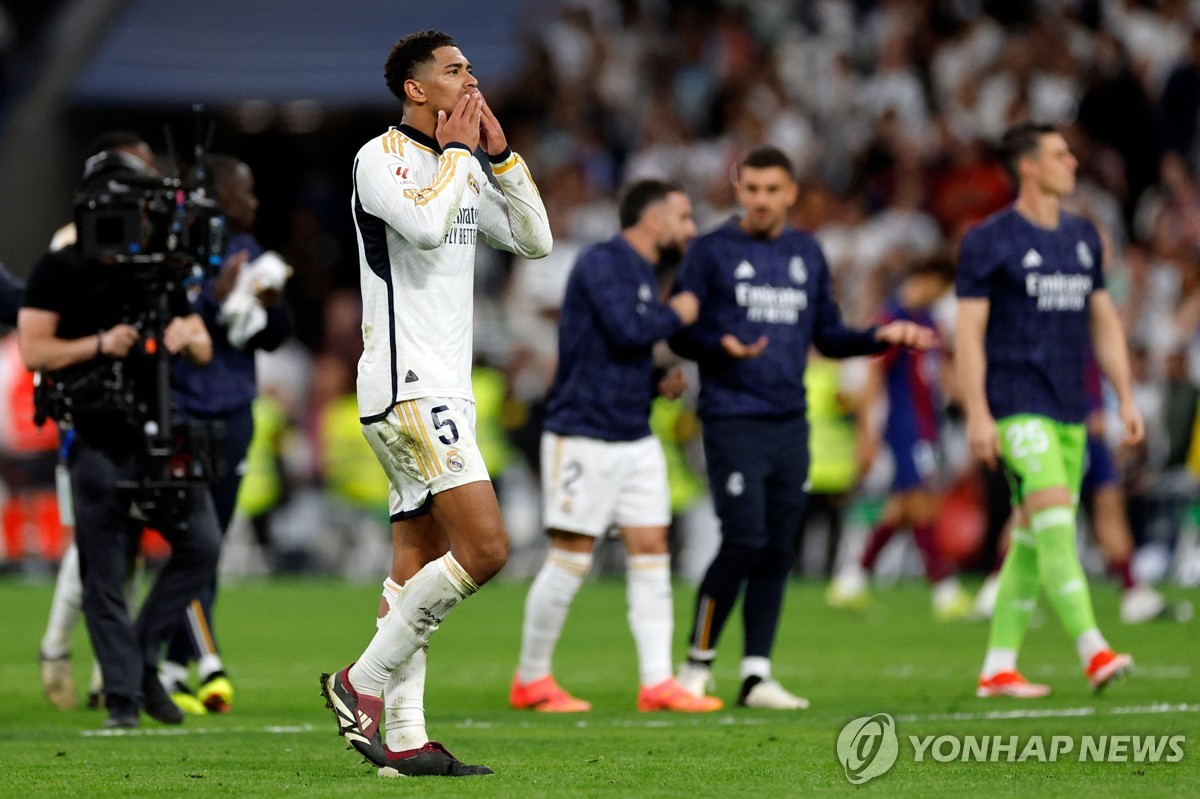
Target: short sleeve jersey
(1039,282)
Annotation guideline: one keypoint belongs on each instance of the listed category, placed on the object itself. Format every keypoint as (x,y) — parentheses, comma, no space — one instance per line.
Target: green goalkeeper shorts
(1038,452)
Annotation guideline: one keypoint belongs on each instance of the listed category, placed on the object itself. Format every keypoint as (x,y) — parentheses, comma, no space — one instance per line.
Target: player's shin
(651,614)
(1064,580)
(546,610)
(427,598)
(1016,598)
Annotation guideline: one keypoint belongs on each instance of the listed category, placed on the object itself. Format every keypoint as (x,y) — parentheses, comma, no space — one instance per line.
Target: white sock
(546,610)
(1088,644)
(208,665)
(171,674)
(998,660)
(404,694)
(756,666)
(404,699)
(427,598)
(651,614)
(65,607)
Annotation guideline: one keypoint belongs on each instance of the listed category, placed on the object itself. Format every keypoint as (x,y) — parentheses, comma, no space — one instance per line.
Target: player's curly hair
(408,55)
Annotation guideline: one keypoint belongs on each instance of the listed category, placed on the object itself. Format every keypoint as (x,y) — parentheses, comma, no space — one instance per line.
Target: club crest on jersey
(1084,253)
(744,271)
(644,293)
(735,485)
(1032,260)
(454,461)
(797,270)
(473,183)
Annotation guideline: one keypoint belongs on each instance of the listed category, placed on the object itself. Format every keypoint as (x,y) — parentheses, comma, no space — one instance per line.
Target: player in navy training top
(911,381)
(601,466)
(765,298)
(1031,297)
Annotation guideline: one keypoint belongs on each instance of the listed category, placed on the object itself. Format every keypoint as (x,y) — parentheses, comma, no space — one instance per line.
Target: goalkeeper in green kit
(1031,298)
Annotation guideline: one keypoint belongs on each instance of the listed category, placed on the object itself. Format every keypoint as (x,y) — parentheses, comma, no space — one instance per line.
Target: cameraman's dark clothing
(105,534)
(109,446)
(11,292)
(89,298)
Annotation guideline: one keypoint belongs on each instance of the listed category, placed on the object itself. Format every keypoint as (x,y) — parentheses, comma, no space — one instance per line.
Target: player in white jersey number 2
(420,200)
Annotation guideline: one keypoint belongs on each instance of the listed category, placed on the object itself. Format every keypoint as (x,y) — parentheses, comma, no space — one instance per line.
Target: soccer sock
(546,609)
(65,607)
(651,614)
(1061,573)
(209,661)
(1016,597)
(937,567)
(171,674)
(404,694)
(879,539)
(427,599)
(1122,571)
(754,666)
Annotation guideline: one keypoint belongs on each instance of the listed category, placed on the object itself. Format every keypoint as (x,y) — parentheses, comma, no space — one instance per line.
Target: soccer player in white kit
(420,200)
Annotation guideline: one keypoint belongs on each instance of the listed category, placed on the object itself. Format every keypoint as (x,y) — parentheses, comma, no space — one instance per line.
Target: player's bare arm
(972,367)
(1112,354)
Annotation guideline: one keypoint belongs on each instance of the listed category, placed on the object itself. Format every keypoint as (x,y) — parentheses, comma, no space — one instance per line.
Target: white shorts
(589,485)
(426,445)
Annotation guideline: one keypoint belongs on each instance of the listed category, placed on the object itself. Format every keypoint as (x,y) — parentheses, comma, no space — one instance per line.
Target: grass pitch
(280,740)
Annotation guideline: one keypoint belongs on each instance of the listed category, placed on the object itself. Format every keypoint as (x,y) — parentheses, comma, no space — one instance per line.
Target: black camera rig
(155,238)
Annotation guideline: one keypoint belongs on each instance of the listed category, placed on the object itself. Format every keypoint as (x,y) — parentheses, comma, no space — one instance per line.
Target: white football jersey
(417,214)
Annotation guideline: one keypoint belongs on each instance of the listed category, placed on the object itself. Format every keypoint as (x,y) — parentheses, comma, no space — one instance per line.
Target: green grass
(280,741)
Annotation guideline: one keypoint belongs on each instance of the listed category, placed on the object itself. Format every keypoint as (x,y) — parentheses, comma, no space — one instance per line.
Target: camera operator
(73,319)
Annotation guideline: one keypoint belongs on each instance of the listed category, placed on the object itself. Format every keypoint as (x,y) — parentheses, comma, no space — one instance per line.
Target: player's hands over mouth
(491,135)
(907,334)
(734,348)
(462,125)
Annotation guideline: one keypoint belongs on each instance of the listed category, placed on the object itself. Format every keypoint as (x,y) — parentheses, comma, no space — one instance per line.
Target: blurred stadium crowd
(889,108)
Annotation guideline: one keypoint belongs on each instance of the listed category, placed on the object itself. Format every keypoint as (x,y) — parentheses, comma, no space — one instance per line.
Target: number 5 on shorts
(451,435)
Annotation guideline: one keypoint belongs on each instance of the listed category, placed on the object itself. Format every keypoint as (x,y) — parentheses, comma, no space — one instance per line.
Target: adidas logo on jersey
(1032,260)
(411,377)
(744,271)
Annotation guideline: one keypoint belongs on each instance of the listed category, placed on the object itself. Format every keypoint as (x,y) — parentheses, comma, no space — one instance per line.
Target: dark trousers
(238,427)
(105,534)
(757,471)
